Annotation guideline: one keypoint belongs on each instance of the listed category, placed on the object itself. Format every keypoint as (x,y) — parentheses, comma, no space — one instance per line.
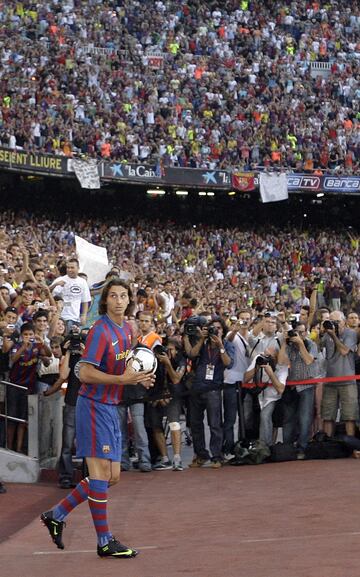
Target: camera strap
(245,345)
(254,347)
(212,354)
(257,342)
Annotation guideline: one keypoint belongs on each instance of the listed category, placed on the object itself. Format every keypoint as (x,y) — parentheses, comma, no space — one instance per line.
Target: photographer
(213,355)
(74,347)
(133,402)
(264,370)
(340,344)
(238,335)
(262,337)
(300,353)
(171,369)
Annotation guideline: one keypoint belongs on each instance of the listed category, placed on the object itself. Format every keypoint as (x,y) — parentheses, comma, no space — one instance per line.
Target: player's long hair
(105,292)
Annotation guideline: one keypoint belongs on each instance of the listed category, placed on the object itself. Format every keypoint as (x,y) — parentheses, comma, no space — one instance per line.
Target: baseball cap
(11,310)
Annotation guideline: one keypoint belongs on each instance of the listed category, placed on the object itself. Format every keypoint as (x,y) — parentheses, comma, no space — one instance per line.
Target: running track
(299,519)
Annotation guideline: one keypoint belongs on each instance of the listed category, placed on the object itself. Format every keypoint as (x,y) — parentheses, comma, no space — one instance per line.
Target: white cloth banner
(273,186)
(93,260)
(86,172)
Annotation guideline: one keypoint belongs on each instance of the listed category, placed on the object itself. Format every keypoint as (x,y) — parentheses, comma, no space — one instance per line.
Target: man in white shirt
(76,294)
(264,335)
(233,377)
(167,303)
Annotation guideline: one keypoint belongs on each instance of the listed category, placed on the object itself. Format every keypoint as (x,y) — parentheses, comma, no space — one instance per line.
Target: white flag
(86,172)
(93,260)
(273,186)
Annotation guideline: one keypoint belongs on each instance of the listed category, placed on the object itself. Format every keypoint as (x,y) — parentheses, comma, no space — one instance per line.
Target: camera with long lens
(213,331)
(291,333)
(331,326)
(160,350)
(193,323)
(262,360)
(76,338)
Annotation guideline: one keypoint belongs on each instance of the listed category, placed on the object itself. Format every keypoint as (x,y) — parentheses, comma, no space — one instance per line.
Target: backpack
(282,452)
(323,447)
(250,453)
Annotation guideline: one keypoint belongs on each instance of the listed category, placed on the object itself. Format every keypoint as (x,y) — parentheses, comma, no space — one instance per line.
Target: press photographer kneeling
(300,353)
(269,373)
(210,354)
(170,371)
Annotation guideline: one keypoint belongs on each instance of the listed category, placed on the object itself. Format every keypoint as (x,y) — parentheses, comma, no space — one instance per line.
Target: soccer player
(103,374)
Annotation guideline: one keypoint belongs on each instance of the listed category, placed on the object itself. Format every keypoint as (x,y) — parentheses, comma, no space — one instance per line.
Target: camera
(213,331)
(331,326)
(76,337)
(291,333)
(262,360)
(193,323)
(159,350)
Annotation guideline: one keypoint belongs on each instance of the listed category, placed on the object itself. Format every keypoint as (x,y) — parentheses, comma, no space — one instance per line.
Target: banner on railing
(200,178)
(243,181)
(197,177)
(131,172)
(20,160)
(87,173)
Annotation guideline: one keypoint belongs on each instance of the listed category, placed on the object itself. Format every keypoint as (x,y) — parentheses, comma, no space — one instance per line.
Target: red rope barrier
(306,382)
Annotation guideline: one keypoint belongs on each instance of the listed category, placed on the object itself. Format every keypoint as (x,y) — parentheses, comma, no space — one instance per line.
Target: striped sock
(73,499)
(98,492)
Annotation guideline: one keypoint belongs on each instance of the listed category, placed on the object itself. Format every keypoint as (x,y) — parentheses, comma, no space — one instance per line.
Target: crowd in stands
(252,286)
(192,83)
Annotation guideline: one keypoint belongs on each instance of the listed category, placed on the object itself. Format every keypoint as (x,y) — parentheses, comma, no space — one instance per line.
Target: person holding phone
(24,357)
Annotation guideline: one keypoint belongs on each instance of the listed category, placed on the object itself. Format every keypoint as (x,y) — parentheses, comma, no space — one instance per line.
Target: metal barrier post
(6,416)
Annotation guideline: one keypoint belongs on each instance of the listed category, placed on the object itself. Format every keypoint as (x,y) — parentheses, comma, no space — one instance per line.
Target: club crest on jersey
(106,449)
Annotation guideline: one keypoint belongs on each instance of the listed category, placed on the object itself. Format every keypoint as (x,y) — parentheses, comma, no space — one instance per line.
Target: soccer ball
(143,359)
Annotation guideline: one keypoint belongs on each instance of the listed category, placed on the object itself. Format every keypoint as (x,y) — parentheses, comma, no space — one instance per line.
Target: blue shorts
(97,430)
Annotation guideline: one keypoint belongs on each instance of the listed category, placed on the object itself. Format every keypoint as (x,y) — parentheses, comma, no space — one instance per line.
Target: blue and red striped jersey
(23,371)
(107,346)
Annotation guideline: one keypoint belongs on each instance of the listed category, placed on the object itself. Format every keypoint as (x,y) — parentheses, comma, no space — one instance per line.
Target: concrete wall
(18,468)
(44,441)
(45,428)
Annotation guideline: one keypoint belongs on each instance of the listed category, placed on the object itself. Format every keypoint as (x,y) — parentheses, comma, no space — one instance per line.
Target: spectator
(167,303)
(76,295)
(233,377)
(236,90)
(24,357)
(49,368)
(7,337)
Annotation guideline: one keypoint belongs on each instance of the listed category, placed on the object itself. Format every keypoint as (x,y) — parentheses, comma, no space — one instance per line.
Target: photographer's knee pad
(174,426)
